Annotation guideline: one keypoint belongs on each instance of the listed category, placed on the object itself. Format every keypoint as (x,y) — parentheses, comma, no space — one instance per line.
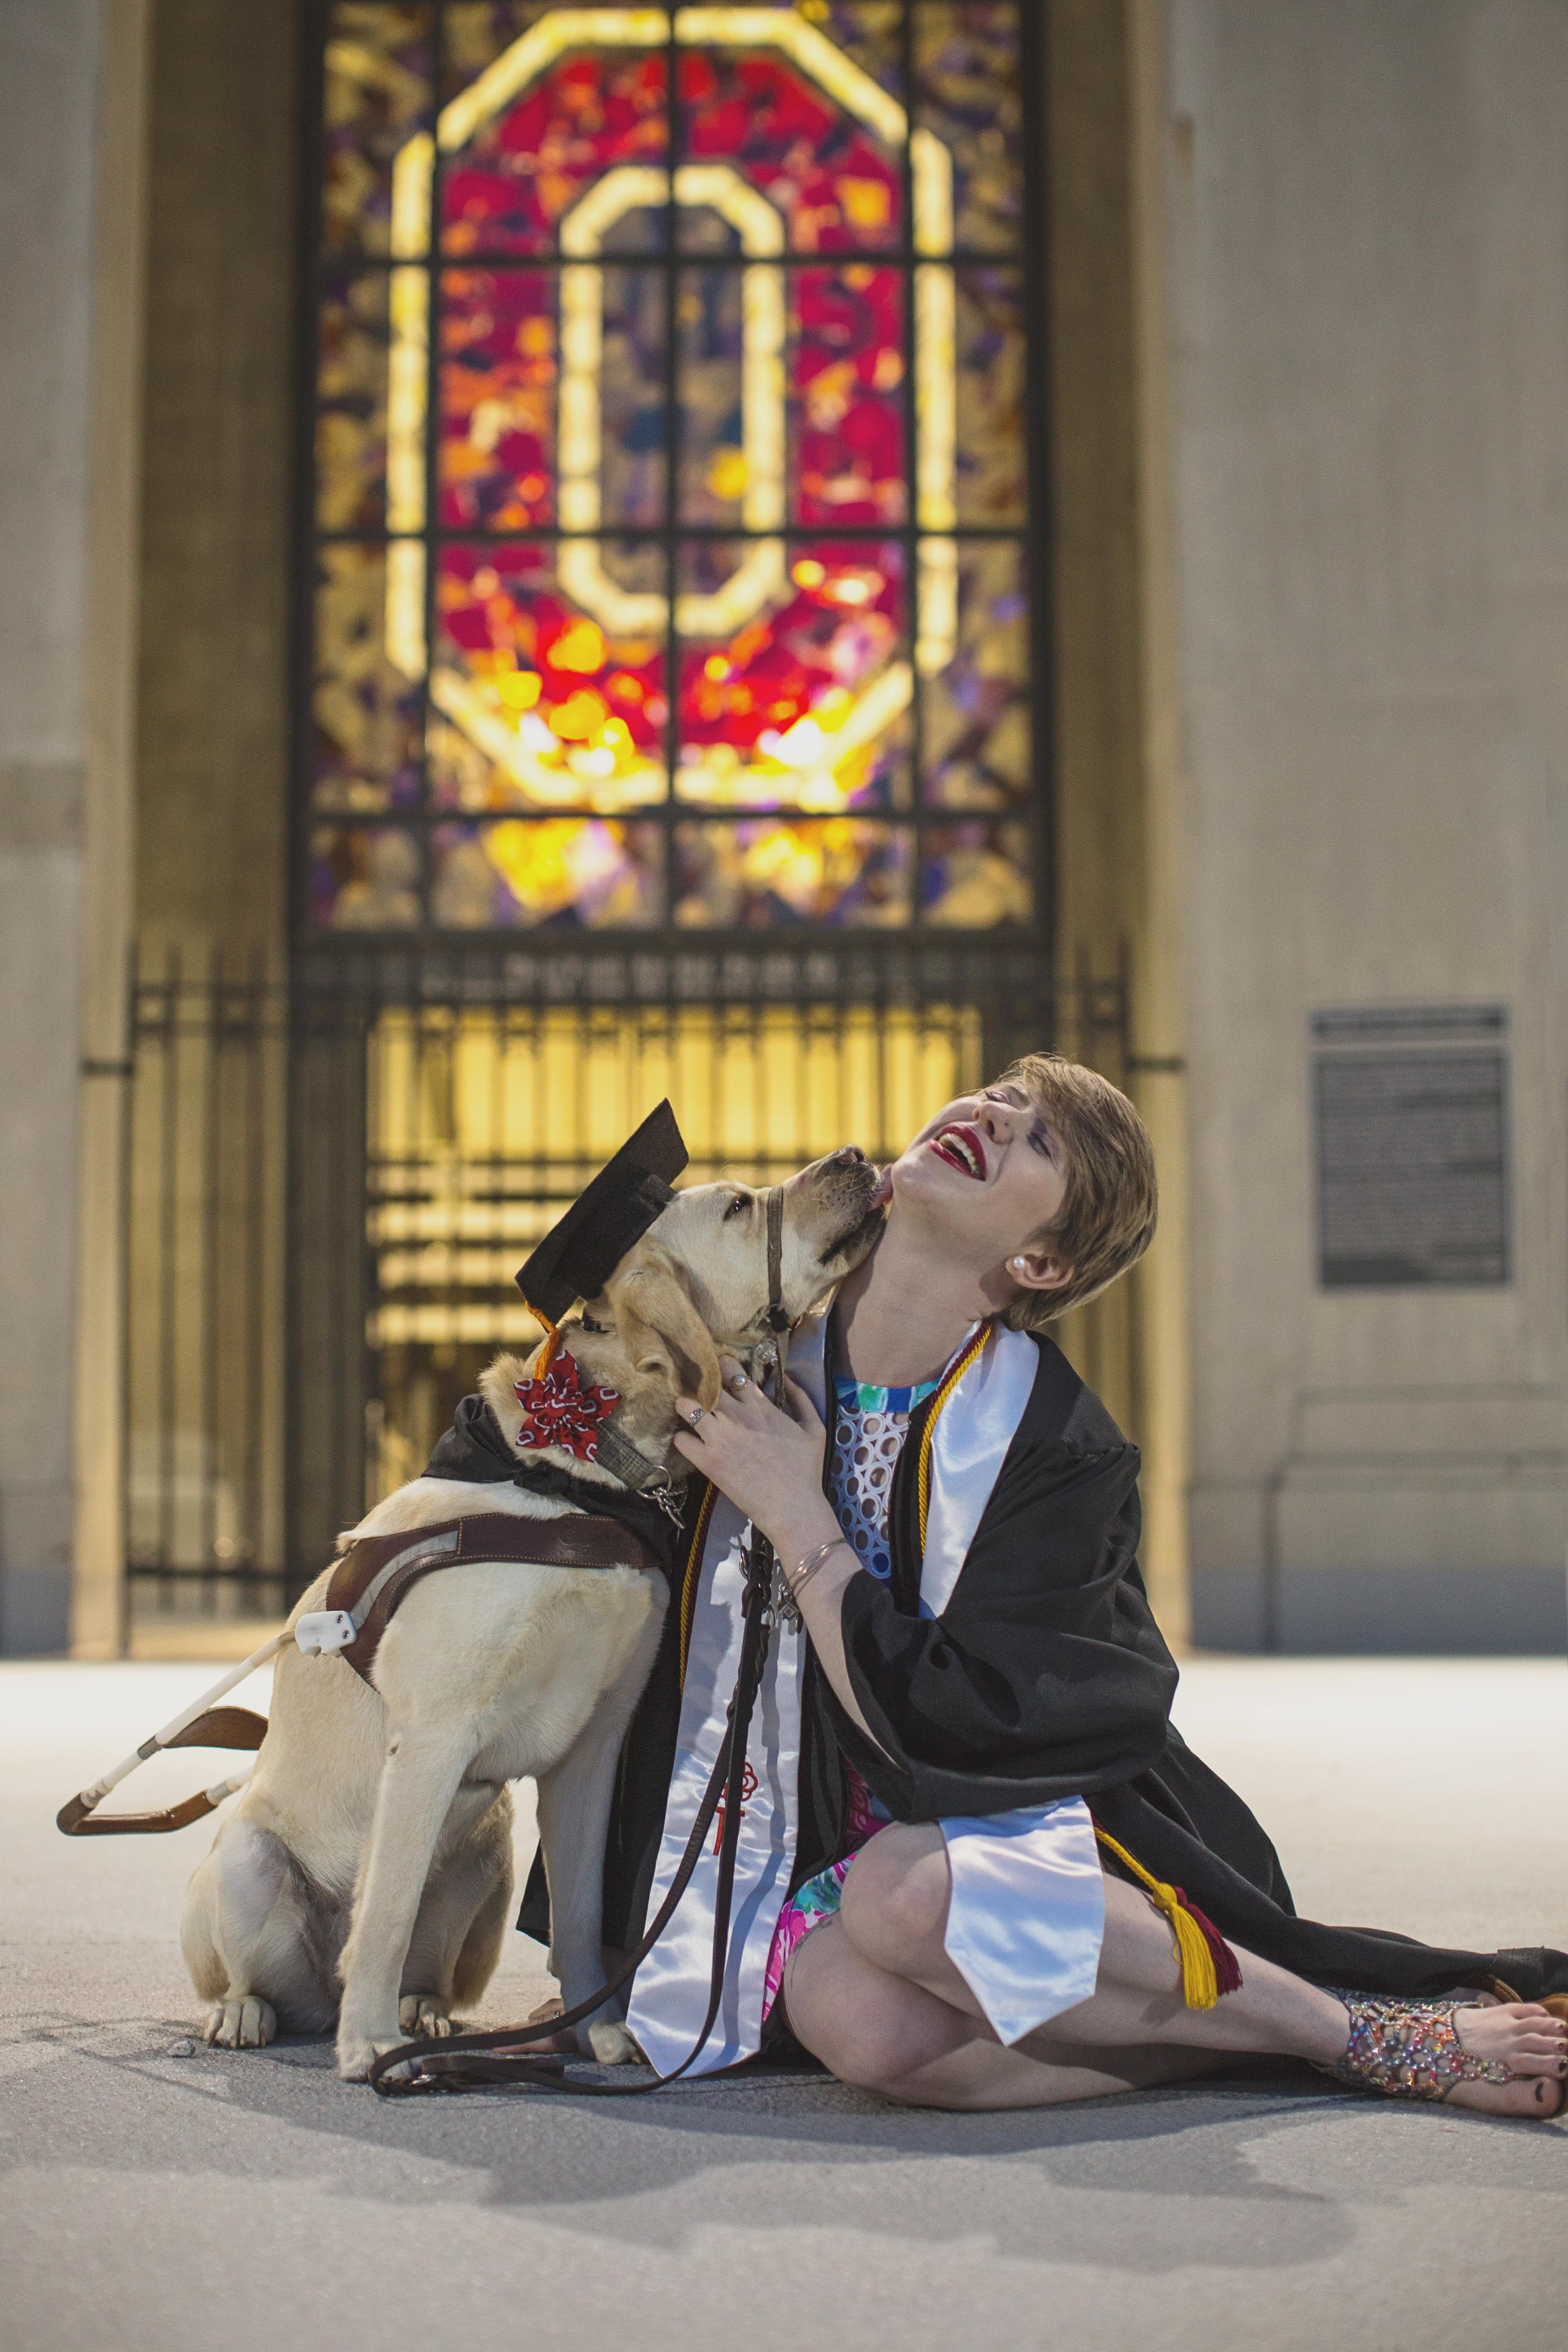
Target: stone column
(49,60)
(1118,821)
(113,602)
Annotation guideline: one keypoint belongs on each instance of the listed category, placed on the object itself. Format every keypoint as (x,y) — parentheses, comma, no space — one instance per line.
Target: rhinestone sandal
(1409,2049)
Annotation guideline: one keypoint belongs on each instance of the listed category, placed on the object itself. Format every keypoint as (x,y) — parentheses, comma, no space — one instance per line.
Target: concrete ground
(252,2202)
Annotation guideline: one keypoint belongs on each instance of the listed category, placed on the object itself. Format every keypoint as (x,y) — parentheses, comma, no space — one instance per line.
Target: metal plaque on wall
(1411,1105)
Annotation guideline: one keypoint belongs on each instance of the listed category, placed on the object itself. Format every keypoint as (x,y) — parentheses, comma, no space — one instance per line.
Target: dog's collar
(650,1479)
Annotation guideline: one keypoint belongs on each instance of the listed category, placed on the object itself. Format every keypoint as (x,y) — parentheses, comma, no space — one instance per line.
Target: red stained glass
(801,705)
(535,704)
(497,399)
(514,771)
(506,191)
(839,189)
(846,402)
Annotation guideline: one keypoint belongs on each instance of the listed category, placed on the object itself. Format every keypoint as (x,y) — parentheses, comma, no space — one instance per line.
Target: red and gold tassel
(1210,1969)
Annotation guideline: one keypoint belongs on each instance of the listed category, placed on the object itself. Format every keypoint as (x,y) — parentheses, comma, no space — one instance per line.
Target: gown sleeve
(1045,1676)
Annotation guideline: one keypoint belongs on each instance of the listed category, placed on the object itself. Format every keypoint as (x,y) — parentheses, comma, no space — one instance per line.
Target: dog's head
(697,1285)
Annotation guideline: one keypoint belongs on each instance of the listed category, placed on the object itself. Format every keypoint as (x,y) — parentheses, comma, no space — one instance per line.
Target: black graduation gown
(1045,1676)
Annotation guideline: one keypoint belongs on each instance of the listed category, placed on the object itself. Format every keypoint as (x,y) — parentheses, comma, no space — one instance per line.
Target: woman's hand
(769,1461)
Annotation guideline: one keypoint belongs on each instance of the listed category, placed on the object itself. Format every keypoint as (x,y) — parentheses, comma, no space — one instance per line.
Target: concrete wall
(1370,212)
(48,73)
(213,703)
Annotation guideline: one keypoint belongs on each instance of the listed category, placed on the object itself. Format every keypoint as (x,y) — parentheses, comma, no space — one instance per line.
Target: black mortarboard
(582,1249)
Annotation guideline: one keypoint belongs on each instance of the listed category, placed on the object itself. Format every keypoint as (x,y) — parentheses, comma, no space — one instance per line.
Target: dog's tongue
(884,1194)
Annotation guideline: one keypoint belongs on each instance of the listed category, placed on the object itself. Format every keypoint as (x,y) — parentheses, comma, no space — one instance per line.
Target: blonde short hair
(1107,1220)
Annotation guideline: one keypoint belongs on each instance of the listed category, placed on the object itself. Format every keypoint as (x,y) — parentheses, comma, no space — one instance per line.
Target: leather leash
(777,1316)
(474,2061)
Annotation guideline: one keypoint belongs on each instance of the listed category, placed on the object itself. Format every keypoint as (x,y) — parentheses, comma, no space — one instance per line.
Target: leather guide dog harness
(370,1579)
(376,1574)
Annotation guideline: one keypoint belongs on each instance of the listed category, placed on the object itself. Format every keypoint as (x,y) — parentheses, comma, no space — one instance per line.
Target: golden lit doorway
(482,1123)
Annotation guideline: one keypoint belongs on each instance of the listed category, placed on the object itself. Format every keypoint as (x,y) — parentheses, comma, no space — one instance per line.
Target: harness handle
(200,1725)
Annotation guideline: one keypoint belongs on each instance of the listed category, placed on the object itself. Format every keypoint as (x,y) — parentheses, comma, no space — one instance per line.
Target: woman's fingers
(746,1395)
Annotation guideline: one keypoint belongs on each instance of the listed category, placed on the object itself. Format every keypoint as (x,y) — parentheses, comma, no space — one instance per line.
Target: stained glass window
(671,566)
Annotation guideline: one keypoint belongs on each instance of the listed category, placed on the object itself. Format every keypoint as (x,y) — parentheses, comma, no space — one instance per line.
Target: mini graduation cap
(582,1249)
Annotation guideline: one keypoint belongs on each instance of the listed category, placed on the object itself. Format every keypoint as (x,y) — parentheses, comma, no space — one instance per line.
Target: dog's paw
(422,2018)
(248,2023)
(613,2046)
(357,2053)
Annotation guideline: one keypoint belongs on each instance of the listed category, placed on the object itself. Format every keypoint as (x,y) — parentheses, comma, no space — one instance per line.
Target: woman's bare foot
(1524,2037)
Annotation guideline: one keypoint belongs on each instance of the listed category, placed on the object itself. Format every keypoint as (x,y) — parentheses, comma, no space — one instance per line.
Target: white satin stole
(1027,1916)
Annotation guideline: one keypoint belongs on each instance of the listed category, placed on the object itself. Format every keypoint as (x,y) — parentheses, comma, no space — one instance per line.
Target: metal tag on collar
(664,1494)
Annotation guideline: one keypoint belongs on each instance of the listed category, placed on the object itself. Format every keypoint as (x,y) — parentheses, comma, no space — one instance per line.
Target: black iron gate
(330,1185)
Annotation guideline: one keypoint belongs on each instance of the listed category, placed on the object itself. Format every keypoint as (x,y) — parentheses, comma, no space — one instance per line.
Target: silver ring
(735,1385)
(699,1413)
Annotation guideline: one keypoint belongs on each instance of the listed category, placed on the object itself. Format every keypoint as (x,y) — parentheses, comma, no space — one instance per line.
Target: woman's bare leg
(891,1925)
(884,2033)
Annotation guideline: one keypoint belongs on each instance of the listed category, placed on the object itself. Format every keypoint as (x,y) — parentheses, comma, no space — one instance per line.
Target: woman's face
(984,1178)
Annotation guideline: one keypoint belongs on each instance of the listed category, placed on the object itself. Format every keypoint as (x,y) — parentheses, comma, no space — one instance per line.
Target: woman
(968,1819)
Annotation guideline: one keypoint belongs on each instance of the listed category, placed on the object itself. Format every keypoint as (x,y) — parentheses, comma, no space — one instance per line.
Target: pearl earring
(1018,1264)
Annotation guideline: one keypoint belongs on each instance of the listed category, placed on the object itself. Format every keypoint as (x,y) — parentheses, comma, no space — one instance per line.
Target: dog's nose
(849,1155)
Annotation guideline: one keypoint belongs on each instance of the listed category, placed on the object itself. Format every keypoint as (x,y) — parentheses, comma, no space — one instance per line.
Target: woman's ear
(1039,1270)
(660,1328)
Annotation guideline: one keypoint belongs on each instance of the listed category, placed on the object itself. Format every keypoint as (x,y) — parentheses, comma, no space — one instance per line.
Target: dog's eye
(736,1206)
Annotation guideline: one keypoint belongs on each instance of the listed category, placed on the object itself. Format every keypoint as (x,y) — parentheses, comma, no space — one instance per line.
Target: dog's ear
(660,1328)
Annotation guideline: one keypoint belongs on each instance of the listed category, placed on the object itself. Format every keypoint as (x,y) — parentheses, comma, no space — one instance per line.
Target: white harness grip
(323,1631)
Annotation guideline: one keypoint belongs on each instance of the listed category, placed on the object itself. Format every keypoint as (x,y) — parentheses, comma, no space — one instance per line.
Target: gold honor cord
(950,1381)
(692,1576)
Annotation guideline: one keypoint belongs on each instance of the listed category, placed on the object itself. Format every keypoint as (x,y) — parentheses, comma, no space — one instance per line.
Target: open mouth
(962,1148)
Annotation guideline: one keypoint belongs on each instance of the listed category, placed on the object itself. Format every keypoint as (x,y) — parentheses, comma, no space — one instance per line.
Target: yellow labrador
(371,1849)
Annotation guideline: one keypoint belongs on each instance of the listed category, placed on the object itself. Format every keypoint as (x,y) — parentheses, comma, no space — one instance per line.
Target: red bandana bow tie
(560,1411)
